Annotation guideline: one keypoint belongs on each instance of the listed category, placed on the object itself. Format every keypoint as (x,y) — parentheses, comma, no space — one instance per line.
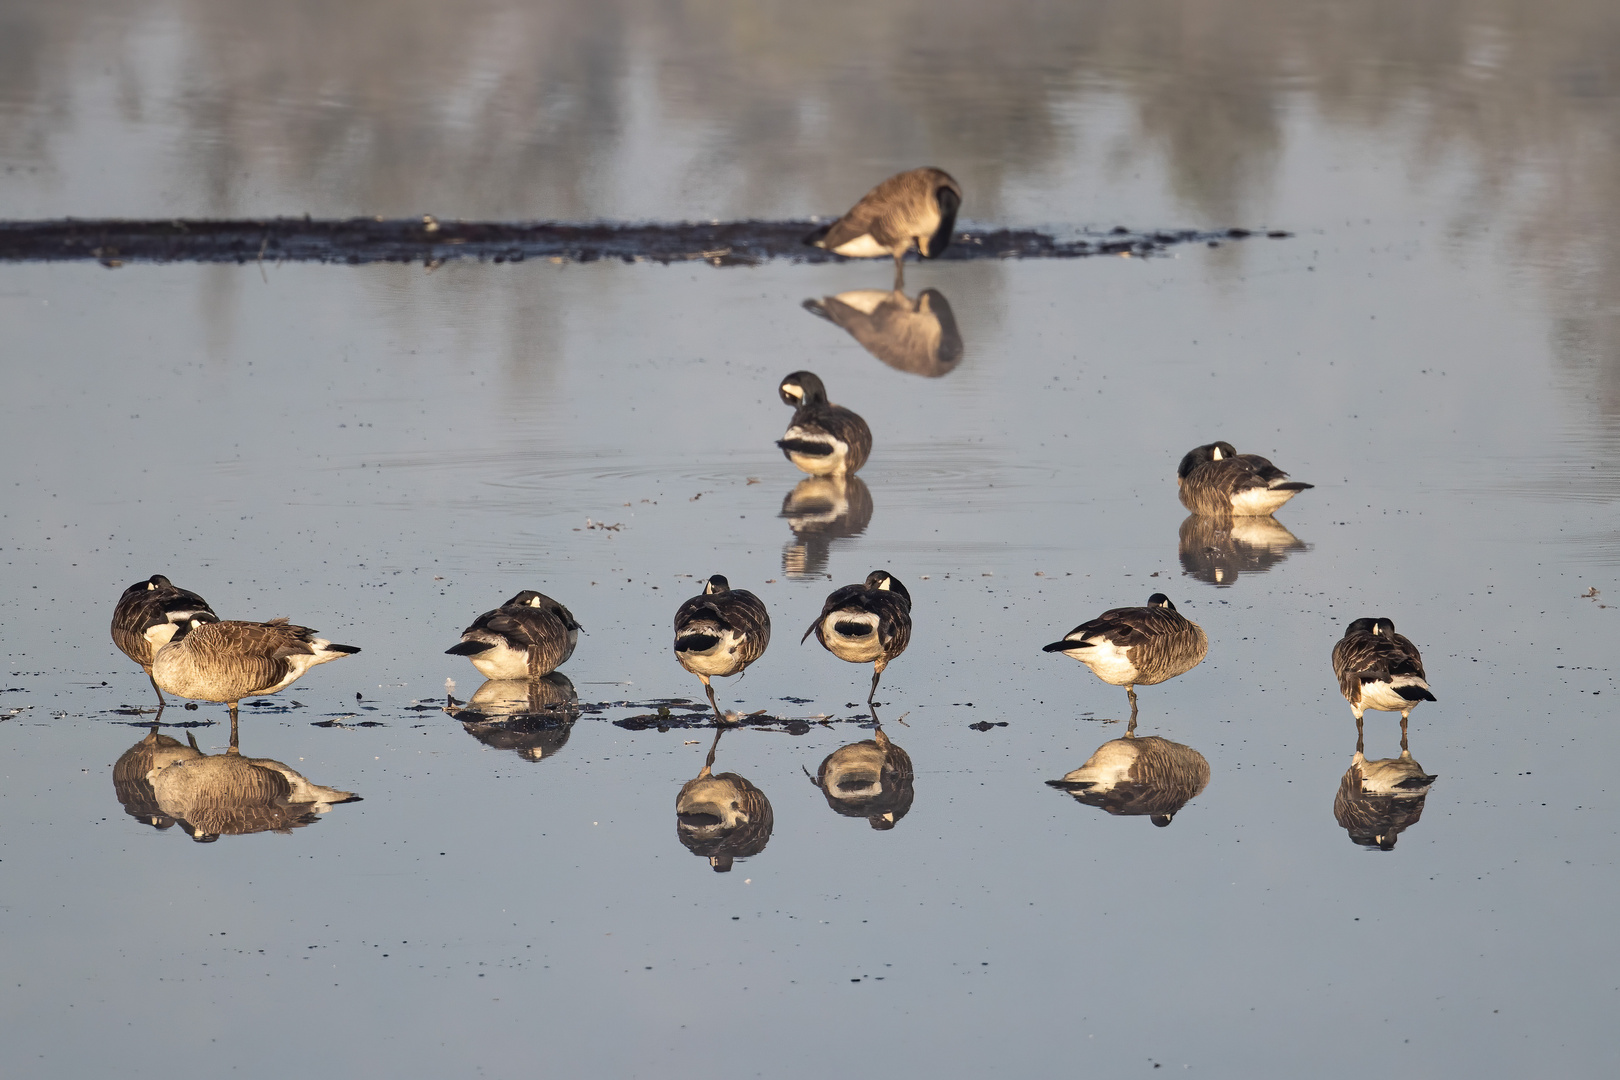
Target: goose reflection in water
(722,817)
(1219,550)
(819,510)
(1380,799)
(1137,776)
(130,784)
(214,795)
(531,717)
(871,779)
(917,336)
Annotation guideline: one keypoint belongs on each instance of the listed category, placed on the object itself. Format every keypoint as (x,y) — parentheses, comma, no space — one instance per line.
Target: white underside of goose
(1107,661)
(502,661)
(1260,502)
(718,659)
(817,464)
(862,247)
(1382,695)
(862,649)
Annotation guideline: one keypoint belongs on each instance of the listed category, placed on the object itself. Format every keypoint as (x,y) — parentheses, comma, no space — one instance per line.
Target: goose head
(883,581)
(184,628)
(1215,451)
(1158,599)
(802,388)
(716,585)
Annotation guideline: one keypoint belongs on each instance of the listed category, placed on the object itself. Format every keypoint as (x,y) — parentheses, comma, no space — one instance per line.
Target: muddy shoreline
(426,240)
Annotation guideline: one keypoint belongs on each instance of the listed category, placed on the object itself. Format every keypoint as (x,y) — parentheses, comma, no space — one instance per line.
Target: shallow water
(384,453)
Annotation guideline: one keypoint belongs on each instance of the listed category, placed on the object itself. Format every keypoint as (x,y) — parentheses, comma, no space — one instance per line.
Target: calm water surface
(384,453)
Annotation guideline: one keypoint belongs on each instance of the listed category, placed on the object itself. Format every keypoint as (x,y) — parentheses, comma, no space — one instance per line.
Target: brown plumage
(917,206)
(147,616)
(1136,776)
(1379,669)
(822,439)
(722,817)
(1380,799)
(1137,645)
(210,660)
(871,779)
(917,336)
(720,632)
(528,636)
(866,623)
(1217,481)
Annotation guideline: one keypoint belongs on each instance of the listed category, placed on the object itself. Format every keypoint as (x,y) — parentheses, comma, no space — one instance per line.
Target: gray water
(383,453)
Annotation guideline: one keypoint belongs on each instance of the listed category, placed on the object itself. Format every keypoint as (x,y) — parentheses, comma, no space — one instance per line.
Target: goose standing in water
(1217,481)
(1379,669)
(722,817)
(210,660)
(720,632)
(917,336)
(528,636)
(866,623)
(822,439)
(1136,645)
(918,206)
(1139,776)
(147,616)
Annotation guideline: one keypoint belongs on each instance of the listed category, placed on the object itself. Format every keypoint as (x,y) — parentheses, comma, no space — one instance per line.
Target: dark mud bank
(367,240)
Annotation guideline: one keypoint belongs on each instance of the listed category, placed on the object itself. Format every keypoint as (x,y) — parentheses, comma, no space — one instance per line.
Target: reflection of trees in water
(504,109)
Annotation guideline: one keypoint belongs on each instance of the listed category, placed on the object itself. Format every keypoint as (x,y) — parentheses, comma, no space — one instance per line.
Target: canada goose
(133,789)
(1136,645)
(822,439)
(1135,776)
(869,622)
(228,794)
(917,205)
(1217,481)
(1379,669)
(1380,799)
(872,779)
(531,717)
(819,510)
(917,336)
(1219,550)
(720,631)
(210,660)
(722,817)
(146,617)
(528,636)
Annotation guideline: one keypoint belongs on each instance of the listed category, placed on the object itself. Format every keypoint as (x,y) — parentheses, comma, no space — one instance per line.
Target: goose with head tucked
(1379,669)
(147,616)
(210,660)
(917,206)
(720,632)
(528,636)
(1217,481)
(1134,646)
(866,623)
(822,439)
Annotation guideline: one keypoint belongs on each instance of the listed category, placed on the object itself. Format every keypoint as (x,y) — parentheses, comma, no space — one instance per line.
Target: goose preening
(1217,481)
(1139,775)
(917,336)
(1380,799)
(228,794)
(1136,646)
(722,817)
(720,631)
(871,779)
(917,206)
(147,616)
(531,717)
(133,789)
(1220,550)
(210,660)
(822,439)
(1379,669)
(528,636)
(819,510)
(866,623)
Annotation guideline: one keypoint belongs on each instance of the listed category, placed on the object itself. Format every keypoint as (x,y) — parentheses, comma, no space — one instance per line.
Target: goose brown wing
(254,653)
(1354,656)
(894,621)
(1127,627)
(526,626)
(847,596)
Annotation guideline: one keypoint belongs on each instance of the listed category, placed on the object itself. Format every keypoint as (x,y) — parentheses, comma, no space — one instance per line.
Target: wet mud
(429,241)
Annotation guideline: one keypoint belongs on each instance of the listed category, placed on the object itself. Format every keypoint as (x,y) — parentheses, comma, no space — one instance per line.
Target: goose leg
(233,749)
(875,676)
(709,688)
(162,701)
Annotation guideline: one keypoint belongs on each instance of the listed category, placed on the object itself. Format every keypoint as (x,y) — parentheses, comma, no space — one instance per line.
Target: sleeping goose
(918,336)
(1136,645)
(146,618)
(722,817)
(210,660)
(1379,669)
(866,623)
(822,439)
(720,632)
(528,636)
(1217,481)
(1135,776)
(915,206)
